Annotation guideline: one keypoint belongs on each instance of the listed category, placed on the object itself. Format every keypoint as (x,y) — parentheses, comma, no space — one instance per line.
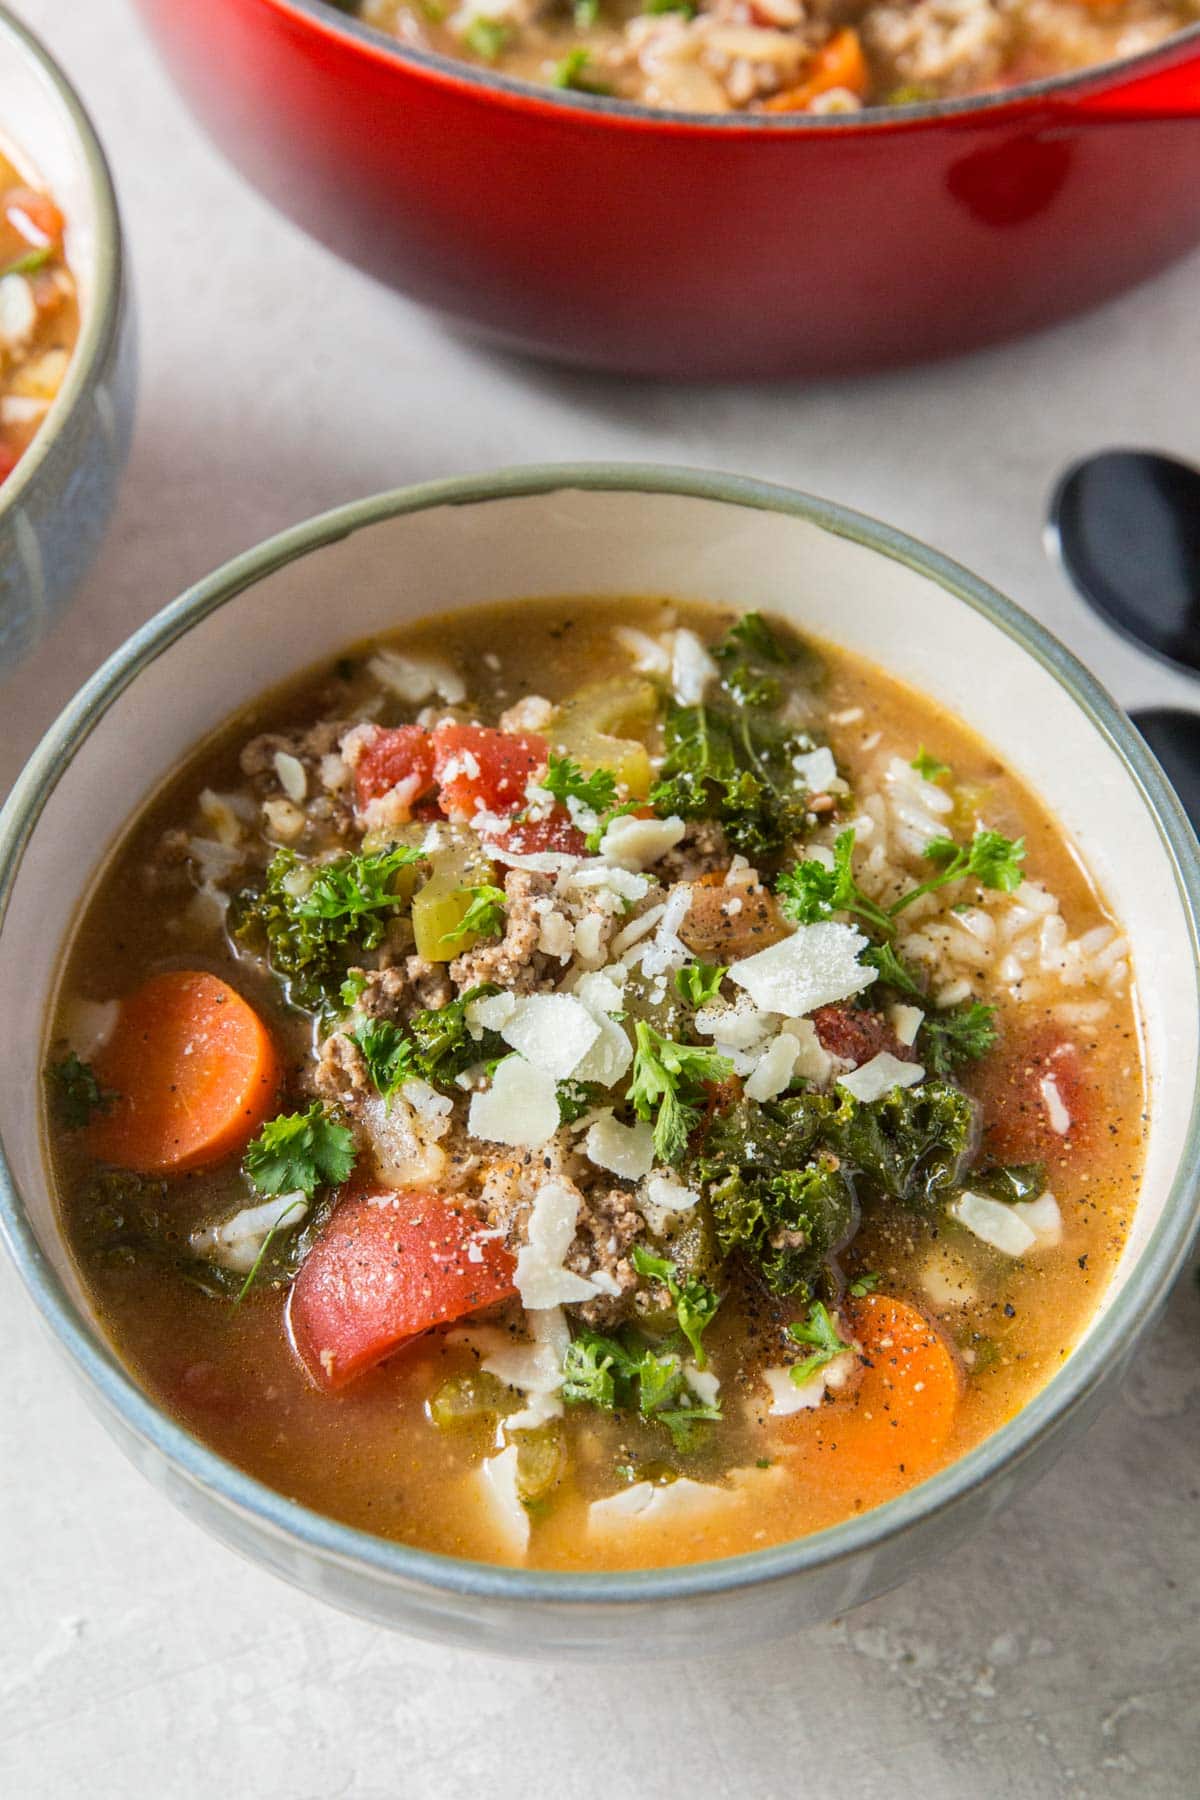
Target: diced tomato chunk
(1030,1091)
(530,837)
(482,770)
(388,1267)
(402,754)
(34,215)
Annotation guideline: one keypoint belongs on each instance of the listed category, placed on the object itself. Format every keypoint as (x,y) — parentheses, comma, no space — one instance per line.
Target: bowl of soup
(66,342)
(617,1072)
(765,189)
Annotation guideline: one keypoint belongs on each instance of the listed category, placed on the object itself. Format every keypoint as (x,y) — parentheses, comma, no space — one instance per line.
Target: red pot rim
(1180,48)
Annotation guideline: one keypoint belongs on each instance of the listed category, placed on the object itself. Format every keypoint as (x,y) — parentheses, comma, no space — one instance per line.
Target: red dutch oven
(670,244)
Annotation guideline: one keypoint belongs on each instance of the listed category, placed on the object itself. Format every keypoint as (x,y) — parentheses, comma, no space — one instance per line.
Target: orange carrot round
(838,64)
(892,1424)
(192,1071)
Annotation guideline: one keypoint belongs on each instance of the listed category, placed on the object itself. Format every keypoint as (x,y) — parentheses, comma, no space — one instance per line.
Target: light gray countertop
(1057,1656)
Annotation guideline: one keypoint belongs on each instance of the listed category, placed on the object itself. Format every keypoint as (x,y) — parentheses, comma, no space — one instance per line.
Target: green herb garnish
(487,38)
(631,1375)
(694,1301)
(300,1152)
(865,1284)
(575,1098)
(572,72)
(927,765)
(668,1086)
(820,1333)
(30,262)
(700,982)
(77,1092)
(566,781)
(958,1035)
(388,1054)
(484,916)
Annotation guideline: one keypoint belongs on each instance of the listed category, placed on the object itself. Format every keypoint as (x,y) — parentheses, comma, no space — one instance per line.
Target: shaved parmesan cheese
(541,1279)
(533,1368)
(612,1053)
(520,1107)
(627,1150)
(556,936)
(1043,1218)
(492,1012)
(633,843)
(876,1078)
(621,886)
(667,951)
(637,929)
(993,1222)
(813,1061)
(692,668)
(660,1198)
(417,678)
(18,313)
(237,1243)
(495,1482)
(736,1025)
(816,769)
(789,1397)
(553,1032)
(601,992)
(774,1070)
(1057,1116)
(906,1021)
(815,966)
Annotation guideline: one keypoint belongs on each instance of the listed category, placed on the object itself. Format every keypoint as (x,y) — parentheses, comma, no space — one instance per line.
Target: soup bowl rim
(1128,1315)
(100,309)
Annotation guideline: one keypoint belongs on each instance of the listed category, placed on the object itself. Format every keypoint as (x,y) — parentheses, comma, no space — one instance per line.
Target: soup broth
(835,1171)
(39,311)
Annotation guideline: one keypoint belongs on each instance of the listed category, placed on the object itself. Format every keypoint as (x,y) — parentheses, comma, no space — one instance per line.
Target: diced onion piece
(814,966)
(520,1107)
(816,769)
(692,668)
(237,1242)
(541,1278)
(872,1080)
(292,779)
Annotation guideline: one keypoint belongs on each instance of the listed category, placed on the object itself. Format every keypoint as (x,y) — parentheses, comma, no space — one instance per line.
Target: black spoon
(1126,525)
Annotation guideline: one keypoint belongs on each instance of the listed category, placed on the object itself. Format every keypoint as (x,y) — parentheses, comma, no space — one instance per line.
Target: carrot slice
(838,64)
(193,1072)
(892,1426)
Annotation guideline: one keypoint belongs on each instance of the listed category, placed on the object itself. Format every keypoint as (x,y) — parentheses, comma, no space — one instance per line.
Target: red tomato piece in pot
(479,770)
(388,1267)
(530,837)
(399,757)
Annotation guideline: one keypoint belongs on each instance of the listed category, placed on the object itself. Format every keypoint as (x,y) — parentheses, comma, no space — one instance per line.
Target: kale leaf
(77,1091)
(312,920)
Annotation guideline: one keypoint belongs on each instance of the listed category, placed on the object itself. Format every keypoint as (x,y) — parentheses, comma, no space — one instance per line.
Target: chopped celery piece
(601,726)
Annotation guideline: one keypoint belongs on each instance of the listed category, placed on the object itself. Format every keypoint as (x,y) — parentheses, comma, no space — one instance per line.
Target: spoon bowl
(1125,525)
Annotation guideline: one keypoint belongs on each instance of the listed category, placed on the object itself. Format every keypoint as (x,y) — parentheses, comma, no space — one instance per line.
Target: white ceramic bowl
(55,505)
(371,567)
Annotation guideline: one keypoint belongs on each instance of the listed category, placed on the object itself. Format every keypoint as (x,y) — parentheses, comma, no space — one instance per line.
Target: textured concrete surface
(1060,1656)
